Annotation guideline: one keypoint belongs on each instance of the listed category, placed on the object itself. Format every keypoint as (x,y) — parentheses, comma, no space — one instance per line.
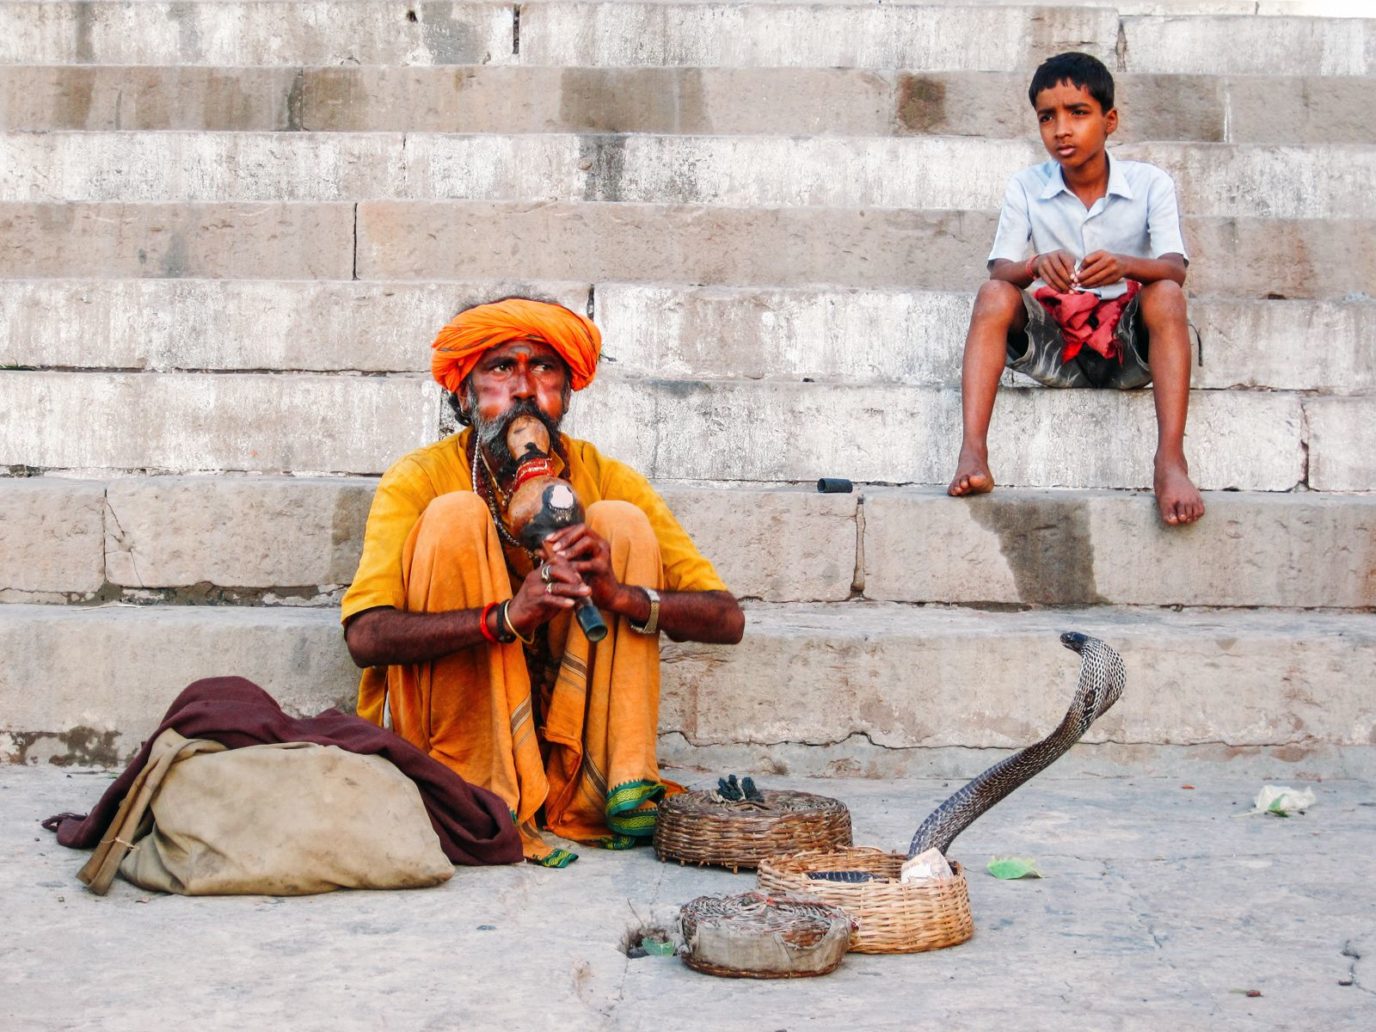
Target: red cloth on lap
(1086,320)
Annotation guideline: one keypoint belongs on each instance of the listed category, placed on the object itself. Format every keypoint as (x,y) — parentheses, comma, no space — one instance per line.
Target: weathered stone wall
(228,231)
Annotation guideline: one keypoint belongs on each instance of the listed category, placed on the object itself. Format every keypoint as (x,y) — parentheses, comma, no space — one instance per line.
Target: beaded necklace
(489,490)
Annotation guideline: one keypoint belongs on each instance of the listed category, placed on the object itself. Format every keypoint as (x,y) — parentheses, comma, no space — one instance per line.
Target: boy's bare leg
(998,308)
(1168,355)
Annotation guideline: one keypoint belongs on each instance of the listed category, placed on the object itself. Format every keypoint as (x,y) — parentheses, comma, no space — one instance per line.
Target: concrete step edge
(894,433)
(921,172)
(690,34)
(595,241)
(295,541)
(1236,108)
(903,676)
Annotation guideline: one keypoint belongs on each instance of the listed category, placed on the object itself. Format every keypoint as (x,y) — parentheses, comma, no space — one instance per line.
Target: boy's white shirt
(1137,216)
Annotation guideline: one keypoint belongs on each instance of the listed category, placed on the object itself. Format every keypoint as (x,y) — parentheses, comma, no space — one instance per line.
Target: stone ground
(1157,908)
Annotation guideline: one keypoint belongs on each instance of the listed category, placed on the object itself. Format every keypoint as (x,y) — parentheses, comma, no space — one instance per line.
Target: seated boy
(1105,236)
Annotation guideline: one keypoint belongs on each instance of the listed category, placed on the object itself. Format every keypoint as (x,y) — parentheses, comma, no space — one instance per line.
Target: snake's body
(1101,683)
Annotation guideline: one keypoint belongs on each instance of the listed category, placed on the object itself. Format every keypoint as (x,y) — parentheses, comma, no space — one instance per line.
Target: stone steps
(901,678)
(296,541)
(921,37)
(908,435)
(682,429)
(229,230)
(885,336)
(1321,258)
(225,32)
(942,173)
(1288,111)
(510,241)
(937,37)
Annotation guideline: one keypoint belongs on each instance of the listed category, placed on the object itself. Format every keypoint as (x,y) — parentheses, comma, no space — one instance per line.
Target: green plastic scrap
(656,947)
(1012,867)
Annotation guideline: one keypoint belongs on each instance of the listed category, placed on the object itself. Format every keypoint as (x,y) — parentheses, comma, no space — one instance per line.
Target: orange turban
(461,343)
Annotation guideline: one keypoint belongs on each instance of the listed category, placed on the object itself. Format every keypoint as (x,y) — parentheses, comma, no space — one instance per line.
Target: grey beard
(491,433)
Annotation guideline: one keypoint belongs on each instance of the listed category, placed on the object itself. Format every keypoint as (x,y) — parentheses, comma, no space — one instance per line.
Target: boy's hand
(1100,269)
(1056,269)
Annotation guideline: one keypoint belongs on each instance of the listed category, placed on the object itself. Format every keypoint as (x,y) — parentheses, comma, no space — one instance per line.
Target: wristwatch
(651,624)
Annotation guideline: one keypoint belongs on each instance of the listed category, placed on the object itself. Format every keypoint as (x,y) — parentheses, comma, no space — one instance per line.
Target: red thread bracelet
(482,623)
(1032,267)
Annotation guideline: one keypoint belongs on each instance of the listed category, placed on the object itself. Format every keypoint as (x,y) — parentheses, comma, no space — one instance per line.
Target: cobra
(1102,678)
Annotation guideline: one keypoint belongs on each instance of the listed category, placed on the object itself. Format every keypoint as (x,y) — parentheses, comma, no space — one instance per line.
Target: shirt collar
(1055,183)
(1117,182)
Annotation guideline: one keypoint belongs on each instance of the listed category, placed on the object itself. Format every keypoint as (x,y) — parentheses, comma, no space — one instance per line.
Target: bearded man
(466,638)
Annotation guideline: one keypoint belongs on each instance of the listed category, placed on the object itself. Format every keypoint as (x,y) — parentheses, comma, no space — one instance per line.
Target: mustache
(492,433)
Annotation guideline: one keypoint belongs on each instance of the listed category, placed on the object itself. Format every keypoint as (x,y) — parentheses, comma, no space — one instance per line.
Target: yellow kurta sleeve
(405,490)
(402,495)
(400,499)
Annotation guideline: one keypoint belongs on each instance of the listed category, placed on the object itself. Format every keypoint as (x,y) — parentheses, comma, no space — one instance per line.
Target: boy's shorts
(1035,351)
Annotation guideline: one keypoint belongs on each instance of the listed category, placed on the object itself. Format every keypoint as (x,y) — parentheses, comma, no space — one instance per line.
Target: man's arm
(385,635)
(378,637)
(708,616)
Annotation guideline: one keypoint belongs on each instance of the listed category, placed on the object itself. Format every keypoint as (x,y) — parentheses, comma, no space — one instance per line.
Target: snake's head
(1075,641)
(1102,675)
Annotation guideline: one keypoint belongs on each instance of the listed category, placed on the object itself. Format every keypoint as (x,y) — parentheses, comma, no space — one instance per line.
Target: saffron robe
(582,745)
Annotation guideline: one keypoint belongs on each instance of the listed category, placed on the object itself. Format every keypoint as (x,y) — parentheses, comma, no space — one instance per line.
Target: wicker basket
(890,916)
(699,828)
(753,935)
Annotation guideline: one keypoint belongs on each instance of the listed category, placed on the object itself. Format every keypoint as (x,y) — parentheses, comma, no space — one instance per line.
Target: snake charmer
(466,638)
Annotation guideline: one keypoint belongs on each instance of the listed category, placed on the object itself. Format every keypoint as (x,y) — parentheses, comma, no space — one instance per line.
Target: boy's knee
(1164,299)
(997,299)
(998,292)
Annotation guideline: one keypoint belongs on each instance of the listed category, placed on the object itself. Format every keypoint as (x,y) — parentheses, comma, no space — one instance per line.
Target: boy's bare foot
(972,475)
(1176,496)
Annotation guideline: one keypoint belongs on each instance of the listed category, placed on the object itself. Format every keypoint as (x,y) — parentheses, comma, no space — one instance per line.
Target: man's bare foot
(972,475)
(1176,496)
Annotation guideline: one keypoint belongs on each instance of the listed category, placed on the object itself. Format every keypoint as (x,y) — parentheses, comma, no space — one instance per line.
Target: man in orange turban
(466,637)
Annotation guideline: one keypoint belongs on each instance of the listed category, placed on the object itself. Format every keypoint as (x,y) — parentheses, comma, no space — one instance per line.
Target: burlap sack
(282,820)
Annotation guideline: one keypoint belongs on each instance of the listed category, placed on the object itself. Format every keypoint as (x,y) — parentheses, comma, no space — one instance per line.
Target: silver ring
(545,573)
(549,589)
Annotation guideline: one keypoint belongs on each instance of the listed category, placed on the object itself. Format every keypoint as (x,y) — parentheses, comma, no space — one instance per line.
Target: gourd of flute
(542,503)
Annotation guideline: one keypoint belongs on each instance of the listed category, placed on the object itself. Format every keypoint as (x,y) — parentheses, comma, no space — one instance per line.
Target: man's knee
(621,521)
(457,521)
(456,506)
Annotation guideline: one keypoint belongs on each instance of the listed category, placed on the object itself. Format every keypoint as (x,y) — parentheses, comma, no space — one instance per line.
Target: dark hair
(1077,69)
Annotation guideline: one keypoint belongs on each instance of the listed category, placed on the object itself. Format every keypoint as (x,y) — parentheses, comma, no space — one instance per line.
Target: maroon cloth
(1086,321)
(474,825)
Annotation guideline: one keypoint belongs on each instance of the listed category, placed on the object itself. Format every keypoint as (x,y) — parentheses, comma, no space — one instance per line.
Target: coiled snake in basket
(1102,678)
